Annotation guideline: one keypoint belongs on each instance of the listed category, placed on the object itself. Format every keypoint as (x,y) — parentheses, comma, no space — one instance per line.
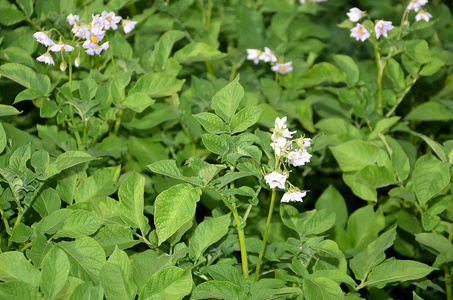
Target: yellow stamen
(107,19)
(62,48)
(360,30)
(93,39)
(380,26)
(283,68)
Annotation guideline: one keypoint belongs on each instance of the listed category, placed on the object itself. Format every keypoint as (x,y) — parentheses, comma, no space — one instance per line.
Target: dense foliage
(148,149)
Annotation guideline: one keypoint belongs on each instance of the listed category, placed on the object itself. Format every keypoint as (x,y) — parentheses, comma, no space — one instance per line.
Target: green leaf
(418,50)
(115,277)
(225,272)
(88,88)
(110,236)
(18,290)
(168,168)
(31,94)
(226,101)
(331,199)
(173,208)
(54,221)
(195,52)
(21,233)
(362,263)
(25,76)
(10,15)
(145,264)
(48,109)
(355,155)
(79,223)
(102,183)
(214,143)
(339,130)
(8,110)
(217,290)
(322,288)
(399,158)
(364,226)
(130,194)
(319,222)
(430,111)
(437,148)
(157,85)
(395,73)
(320,73)
(348,65)
(118,87)
(163,47)
(40,247)
(211,122)
(377,176)
(432,67)
(245,118)
(65,161)
(55,269)
(15,267)
(47,201)
(86,257)
(208,232)
(393,270)
(382,126)
(2,138)
(430,177)
(440,244)
(26,6)
(138,102)
(160,114)
(169,283)
(87,290)
(120,46)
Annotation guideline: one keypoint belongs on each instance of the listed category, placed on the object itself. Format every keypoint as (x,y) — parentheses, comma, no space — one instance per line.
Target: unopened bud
(77,61)
(63,66)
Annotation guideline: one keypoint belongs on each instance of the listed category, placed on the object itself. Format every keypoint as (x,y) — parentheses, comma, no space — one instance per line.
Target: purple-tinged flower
(423,15)
(61,47)
(276,179)
(293,196)
(93,38)
(128,25)
(109,20)
(416,4)
(283,68)
(299,158)
(72,19)
(43,38)
(268,56)
(354,14)
(97,50)
(46,58)
(360,33)
(382,27)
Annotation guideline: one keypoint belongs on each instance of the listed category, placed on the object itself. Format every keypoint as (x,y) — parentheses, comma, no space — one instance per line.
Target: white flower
(382,27)
(307,142)
(279,144)
(46,58)
(423,15)
(254,54)
(109,20)
(299,158)
(293,196)
(360,33)
(80,31)
(276,179)
(283,68)
(93,38)
(77,61)
(354,14)
(416,4)
(72,19)
(128,25)
(97,50)
(43,38)
(280,123)
(268,56)
(61,47)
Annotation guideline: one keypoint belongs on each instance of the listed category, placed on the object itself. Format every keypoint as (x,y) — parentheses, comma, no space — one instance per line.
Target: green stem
(448,283)
(19,218)
(400,99)
(380,69)
(269,216)
(242,245)
(118,122)
(70,71)
(4,220)
(209,68)
(111,56)
(208,22)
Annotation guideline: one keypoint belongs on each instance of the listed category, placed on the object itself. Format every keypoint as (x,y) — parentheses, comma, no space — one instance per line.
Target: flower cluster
(293,152)
(92,33)
(416,5)
(359,32)
(269,57)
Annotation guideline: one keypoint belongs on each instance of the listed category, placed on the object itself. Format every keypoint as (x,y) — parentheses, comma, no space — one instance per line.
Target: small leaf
(322,288)
(214,143)
(157,85)
(115,275)
(197,52)
(8,110)
(168,168)
(79,223)
(55,270)
(138,102)
(348,65)
(226,101)
(211,122)
(169,283)
(217,290)
(18,290)
(245,118)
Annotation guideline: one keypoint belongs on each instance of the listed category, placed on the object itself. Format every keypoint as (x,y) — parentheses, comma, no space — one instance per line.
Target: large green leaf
(207,233)
(110,236)
(169,283)
(430,177)
(169,168)
(364,226)
(173,208)
(163,47)
(86,257)
(393,270)
(157,85)
(138,102)
(115,277)
(79,223)
(15,267)
(102,183)
(348,65)
(18,290)
(245,118)
(130,194)
(217,290)
(332,199)
(65,161)
(211,122)
(430,111)
(55,270)
(197,52)
(226,101)
(26,76)
(320,73)
(322,288)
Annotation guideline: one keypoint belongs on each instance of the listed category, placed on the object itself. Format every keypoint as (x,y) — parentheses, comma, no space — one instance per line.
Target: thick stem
(448,283)
(117,122)
(263,247)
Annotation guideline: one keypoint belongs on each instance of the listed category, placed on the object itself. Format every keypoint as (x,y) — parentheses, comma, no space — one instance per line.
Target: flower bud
(63,66)
(77,61)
